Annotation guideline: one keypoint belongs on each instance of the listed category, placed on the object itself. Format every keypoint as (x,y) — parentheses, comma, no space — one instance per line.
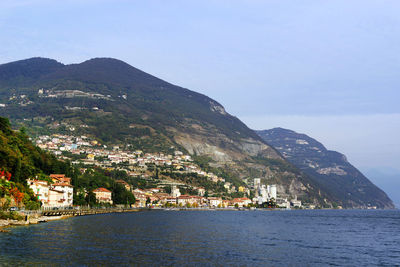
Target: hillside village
(87,153)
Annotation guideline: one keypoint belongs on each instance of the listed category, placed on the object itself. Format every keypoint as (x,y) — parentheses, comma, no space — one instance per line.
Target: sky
(326,68)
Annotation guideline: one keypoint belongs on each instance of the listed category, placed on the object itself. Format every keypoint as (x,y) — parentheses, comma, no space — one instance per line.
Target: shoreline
(46,218)
(4,224)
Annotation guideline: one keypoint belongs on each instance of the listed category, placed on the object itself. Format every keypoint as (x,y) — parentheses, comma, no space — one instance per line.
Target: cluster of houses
(266,193)
(134,162)
(60,193)
(156,197)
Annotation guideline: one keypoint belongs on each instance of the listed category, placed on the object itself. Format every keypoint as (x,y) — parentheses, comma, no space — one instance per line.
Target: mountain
(329,170)
(118,104)
(128,98)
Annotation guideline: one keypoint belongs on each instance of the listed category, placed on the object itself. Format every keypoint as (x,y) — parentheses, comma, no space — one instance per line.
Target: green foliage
(32,205)
(122,196)
(21,158)
(12,215)
(91,199)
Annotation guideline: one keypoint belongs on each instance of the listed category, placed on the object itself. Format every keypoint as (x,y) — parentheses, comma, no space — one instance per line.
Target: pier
(75,212)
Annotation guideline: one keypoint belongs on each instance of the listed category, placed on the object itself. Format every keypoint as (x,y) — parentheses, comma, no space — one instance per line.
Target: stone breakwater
(33,220)
(46,216)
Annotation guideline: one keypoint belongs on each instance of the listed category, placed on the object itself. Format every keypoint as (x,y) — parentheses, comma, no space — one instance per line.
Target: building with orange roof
(59,194)
(60,178)
(103,195)
(242,201)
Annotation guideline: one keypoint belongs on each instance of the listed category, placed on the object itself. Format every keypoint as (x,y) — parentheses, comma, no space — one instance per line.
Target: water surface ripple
(208,238)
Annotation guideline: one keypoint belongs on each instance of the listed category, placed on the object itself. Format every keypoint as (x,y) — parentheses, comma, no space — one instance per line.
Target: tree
(91,199)
(148,201)
(17,170)
(121,196)
(79,199)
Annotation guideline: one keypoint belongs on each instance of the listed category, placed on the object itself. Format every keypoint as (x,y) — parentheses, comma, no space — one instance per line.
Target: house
(183,200)
(242,201)
(40,189)
(215,201)
(226,203)
(67,193)
(59,194)
(295,202)
(198,201)
(175,191)
(60,178)
(55,198)
(171,200)
(162,198)
(201,191)
(103,195)
(155,190)
(140,199)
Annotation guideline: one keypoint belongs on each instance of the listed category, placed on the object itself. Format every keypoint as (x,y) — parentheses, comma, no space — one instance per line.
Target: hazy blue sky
(330,69)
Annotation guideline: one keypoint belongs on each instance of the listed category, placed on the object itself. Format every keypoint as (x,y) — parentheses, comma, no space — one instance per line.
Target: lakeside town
(59,194)
(87,153)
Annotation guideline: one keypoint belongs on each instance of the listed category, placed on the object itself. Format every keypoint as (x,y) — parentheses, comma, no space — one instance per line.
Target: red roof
(102,189)
(57,176)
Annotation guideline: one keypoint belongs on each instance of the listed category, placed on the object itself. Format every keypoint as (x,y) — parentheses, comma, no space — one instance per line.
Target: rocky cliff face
(329,170)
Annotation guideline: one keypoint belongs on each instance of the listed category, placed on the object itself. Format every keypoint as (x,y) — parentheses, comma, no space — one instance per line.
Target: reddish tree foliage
(4,174)
(18,196)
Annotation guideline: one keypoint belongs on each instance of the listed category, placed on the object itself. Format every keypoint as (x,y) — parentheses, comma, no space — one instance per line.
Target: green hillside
(21,158)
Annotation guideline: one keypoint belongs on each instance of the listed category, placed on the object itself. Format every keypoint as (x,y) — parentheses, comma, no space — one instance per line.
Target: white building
(175,191)
(103,195)
(295,202)
(264,193)
(40,189)
(201,191)
(67,193)
(54,195)
(215,201)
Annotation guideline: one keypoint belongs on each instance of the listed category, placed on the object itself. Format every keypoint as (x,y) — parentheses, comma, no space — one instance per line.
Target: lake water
(208,238)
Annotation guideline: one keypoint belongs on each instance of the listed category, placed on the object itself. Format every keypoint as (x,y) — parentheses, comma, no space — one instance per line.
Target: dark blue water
(239,238)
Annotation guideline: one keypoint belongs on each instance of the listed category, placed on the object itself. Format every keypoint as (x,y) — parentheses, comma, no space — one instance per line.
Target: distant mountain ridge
(118,104)
(332,172)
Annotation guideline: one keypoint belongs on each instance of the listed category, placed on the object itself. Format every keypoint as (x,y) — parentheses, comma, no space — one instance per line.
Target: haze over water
(240,238)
